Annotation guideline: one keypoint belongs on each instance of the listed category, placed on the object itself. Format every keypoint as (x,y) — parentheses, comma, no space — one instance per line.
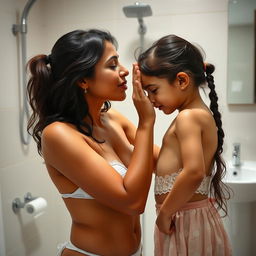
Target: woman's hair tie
(48,59)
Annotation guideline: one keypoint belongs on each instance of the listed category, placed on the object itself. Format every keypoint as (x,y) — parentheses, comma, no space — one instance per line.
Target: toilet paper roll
(36,206)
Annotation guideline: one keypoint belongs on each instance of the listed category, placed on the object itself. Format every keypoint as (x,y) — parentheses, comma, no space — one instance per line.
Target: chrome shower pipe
(142,31)
(139,10)
(22,29)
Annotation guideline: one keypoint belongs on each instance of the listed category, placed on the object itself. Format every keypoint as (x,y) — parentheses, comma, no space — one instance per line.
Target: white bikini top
(164,184)
(81,194)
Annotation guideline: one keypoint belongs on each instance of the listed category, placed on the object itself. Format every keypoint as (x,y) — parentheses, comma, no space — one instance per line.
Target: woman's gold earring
(85,90)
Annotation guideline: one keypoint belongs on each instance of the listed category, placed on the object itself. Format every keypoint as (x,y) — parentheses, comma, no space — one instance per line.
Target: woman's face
(109,81)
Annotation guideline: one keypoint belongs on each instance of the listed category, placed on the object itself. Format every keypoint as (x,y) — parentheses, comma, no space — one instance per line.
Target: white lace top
(164,184)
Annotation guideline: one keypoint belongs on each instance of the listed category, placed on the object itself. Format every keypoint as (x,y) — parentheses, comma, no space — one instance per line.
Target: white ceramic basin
(242,181)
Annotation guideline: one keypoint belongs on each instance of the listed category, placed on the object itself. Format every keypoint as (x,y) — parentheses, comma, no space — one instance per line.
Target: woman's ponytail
(38,91)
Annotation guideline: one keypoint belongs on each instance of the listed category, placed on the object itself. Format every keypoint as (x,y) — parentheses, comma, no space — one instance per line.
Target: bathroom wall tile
(2,233)
(171,7)
(9,82)
(35,34)
(12,150)
(243,132)
(85,10)
(11,92)
(30,234)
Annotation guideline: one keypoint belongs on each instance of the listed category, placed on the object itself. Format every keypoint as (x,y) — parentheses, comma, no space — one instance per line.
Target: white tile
(30,234)
(11,149)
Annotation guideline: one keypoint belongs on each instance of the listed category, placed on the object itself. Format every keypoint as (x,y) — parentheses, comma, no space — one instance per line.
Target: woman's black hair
(165,59)
(53,91)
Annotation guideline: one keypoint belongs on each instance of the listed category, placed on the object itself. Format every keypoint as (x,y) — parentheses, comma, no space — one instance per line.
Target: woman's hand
(165,223)
(142,103)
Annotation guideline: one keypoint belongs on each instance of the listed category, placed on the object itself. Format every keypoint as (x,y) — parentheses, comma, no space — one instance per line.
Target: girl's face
(109,81)
(163,95)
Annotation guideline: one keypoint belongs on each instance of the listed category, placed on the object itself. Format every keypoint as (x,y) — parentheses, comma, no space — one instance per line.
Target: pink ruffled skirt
(199,231)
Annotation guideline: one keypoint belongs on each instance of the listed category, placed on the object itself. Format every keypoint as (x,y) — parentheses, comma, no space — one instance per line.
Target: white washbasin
(242,180)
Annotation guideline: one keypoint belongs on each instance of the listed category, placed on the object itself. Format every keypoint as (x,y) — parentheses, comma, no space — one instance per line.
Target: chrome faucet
(236,154)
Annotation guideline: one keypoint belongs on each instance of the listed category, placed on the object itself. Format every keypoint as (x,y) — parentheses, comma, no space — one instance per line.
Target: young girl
(189,168)
(100,164)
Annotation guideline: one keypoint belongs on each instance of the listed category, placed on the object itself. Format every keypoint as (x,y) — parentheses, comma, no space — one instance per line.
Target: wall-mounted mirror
(241,76)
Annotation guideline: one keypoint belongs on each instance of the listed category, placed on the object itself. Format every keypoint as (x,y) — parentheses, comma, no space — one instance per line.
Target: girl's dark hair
(53,91)
(171,55)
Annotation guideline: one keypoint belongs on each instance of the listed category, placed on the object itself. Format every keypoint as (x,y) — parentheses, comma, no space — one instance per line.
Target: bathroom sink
(242,180)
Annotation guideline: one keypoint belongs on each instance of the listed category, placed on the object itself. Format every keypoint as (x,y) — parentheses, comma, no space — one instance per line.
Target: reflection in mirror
(241,52)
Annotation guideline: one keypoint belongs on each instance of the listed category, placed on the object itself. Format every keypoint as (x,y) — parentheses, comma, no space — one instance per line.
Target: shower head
(138,10)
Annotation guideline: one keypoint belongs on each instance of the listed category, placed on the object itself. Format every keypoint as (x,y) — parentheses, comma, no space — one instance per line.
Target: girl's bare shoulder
(198,115)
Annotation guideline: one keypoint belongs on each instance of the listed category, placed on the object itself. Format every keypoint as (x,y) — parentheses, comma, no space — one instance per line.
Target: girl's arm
(189,134)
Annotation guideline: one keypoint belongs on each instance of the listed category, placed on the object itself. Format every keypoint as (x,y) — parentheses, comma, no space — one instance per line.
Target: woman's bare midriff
(102,230)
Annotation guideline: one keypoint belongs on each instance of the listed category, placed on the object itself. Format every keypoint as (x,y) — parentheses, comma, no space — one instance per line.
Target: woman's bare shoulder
(59,135)
(57,130)
(114,114)
(118,117)
(127,126)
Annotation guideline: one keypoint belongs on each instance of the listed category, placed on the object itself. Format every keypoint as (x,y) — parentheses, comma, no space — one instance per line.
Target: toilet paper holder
(17,204)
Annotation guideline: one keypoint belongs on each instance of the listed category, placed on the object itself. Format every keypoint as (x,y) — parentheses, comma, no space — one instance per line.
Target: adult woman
(99,162)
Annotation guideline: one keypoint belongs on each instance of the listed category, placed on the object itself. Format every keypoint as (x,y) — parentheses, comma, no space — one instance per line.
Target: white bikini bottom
(72,247)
